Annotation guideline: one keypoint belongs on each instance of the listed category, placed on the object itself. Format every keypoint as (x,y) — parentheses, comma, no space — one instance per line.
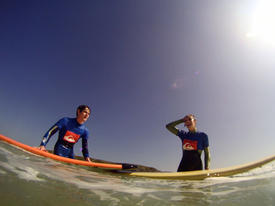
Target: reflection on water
(33,179)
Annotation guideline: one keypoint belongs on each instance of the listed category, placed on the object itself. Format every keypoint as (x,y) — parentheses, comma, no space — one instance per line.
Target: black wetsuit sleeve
(207,158)
(172,126)
(206,152)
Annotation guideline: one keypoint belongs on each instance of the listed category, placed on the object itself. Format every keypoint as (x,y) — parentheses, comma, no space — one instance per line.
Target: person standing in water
(193,143)
(70,131)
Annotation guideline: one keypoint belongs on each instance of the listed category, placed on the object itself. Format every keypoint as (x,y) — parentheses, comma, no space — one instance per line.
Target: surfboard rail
(36,151)
(191,175)
(202,174)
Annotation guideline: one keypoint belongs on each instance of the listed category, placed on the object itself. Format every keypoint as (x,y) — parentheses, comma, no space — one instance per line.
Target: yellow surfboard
(202,174)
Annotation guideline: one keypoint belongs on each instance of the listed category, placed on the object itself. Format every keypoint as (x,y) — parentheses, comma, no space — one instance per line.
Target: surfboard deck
(202,174)
(36,151)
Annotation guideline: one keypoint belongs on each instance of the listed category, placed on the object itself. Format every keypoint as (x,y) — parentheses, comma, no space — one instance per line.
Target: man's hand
(88,159)
(43,148)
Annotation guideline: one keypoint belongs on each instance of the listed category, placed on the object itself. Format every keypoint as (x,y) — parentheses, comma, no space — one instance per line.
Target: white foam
(17,165)
(105,196)
(22,171)
(110,187)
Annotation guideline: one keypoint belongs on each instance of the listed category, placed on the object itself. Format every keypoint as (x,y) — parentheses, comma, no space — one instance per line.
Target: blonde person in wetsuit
(193,143)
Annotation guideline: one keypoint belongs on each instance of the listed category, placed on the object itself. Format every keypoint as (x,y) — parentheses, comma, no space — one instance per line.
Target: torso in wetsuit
(192,144)
(70,131)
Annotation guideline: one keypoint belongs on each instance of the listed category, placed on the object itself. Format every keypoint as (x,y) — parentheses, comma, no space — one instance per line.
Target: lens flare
(263,22)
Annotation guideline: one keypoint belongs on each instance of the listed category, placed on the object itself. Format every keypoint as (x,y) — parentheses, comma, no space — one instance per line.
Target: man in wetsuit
(193,143)
(70,131)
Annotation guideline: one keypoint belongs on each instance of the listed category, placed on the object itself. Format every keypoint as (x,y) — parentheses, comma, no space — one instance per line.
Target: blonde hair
(190,116)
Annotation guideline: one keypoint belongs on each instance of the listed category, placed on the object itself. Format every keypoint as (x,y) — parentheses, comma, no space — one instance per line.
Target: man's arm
(85,150)
(47,137)
(172,126)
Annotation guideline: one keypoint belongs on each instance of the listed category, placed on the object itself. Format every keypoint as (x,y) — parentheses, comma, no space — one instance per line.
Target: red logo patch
(71,137)
(190,145)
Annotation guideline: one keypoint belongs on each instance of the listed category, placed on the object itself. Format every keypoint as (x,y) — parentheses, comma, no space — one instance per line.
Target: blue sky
(139,65)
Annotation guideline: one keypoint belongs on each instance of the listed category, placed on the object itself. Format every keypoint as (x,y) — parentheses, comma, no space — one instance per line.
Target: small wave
(118,188)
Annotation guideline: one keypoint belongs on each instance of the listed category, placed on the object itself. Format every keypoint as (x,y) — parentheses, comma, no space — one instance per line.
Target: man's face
(83,115)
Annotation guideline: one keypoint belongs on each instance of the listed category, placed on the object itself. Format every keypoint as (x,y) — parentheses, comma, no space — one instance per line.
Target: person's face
(189,122)
(83,115)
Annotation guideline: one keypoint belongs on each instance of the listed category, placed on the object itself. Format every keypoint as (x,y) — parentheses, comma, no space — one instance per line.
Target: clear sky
(140,65)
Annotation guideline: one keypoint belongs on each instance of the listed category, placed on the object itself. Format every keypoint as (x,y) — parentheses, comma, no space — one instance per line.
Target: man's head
(82,113)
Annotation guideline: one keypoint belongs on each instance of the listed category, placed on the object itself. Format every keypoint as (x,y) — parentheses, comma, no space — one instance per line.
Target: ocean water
(27,179)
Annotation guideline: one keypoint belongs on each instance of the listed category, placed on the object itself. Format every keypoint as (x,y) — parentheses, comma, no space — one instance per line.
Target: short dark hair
(80,108)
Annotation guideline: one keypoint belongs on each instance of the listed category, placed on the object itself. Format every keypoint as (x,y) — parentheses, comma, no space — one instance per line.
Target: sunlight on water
(41,175)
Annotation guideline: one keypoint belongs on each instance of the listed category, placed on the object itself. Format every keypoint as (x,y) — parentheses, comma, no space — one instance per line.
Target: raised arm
(172,126)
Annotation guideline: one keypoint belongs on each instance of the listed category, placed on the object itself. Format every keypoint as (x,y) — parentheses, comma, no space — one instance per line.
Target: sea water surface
(27,179)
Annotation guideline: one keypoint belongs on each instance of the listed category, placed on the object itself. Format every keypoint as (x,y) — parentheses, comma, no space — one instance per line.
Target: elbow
(168,126)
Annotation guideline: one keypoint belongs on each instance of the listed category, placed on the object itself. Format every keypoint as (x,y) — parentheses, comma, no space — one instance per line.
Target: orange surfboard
(36,151)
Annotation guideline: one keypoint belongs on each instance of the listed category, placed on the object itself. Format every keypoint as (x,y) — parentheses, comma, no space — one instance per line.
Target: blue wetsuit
(192,145)
(70,131)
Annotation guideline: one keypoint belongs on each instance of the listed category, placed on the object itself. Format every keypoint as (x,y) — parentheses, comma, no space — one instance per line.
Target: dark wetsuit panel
(191,160)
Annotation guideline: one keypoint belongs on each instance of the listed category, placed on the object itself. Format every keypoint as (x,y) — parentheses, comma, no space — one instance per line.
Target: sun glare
(263,22)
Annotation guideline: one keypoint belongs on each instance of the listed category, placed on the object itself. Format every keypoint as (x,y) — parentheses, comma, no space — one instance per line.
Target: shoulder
(68,120)
(85,131)
(63,120)
(204,138)
(203,135)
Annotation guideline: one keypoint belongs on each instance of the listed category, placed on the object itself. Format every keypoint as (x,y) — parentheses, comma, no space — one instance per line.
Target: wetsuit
(70,131)
(193,143)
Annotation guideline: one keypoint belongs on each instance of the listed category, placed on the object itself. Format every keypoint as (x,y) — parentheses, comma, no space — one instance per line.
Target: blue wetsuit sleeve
(48,135)
(51,132)
(85,150)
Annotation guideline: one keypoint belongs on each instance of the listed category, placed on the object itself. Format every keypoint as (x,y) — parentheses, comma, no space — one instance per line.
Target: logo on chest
(71,137)
(190,145)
